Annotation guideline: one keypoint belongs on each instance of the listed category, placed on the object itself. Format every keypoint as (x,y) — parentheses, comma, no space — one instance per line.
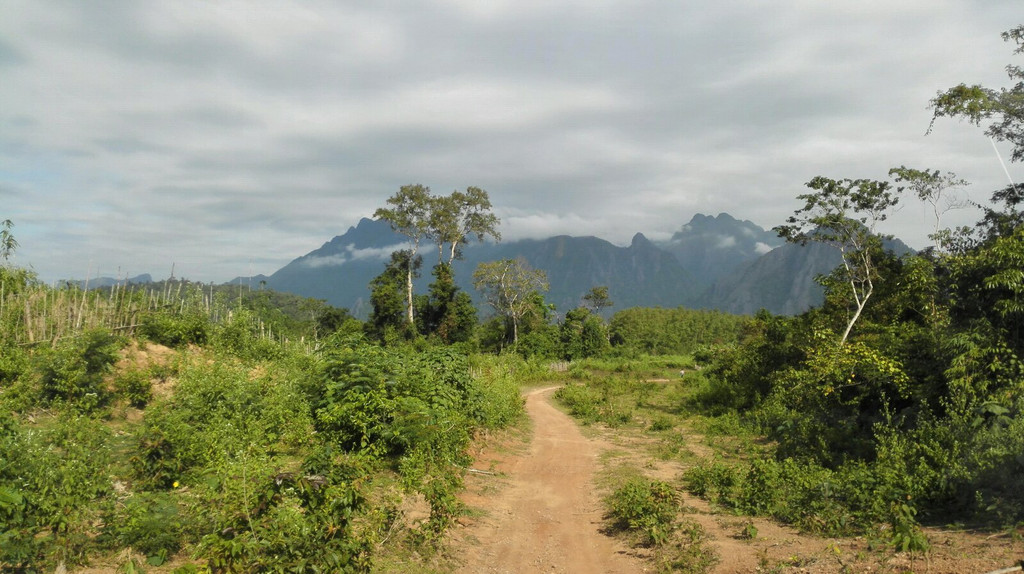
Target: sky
(221,138)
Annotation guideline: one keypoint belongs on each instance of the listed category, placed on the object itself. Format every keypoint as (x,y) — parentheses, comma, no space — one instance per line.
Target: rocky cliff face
(711,262)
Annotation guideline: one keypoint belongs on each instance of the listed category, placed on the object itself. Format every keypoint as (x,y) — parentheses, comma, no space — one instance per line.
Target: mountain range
(712,262)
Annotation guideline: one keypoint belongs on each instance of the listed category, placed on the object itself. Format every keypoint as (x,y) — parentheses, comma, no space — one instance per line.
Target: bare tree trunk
(856,315)
(861,301)
(408,294)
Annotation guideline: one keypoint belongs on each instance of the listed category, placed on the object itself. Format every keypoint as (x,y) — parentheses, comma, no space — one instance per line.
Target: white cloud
(383,253)
(351,253)
(317,261)
(232,134)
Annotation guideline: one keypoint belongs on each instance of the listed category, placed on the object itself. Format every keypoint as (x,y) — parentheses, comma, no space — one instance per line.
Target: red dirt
(546,517)
(541,513)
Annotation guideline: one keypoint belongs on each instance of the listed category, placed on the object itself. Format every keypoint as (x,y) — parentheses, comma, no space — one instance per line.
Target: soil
(546,516)
(538,509)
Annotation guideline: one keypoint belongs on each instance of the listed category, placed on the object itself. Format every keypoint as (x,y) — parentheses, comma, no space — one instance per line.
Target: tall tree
(843,213)
(387,295)
(409,215)
(936,189)
(582,334)
(597,299)
(508,286)
(1005,106)
(448,311)
(457,217)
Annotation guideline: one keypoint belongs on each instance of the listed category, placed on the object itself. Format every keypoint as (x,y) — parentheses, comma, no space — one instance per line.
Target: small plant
(135,387)
(174,329)
(646,506)
(906,534)
(72,374)
(748,531)
(581,401)
(714,481)
(661,423)
(688,552)
(615,418)
(150,523)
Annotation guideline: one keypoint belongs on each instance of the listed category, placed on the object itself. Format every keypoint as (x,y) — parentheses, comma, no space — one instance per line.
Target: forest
(196,428)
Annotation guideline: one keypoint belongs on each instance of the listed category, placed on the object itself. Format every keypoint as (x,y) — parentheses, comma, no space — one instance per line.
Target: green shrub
(72,373)
(218,409)
(54,485)
(238,337)
(714,481)
(646,506)
(175,329)
(264,520)
(498,400)
(135,387)
(661,423)
(13,363)
(581,401)
(147,522)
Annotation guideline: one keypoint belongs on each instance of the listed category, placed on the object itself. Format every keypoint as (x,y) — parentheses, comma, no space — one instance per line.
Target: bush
(645,506)
(713,481)
(237,337)
(54,485)
(13,363)
(135,387)
(258,519)
(581,401)
(150,523)
(72,373)
(218,410)
(498,401)
(174,329)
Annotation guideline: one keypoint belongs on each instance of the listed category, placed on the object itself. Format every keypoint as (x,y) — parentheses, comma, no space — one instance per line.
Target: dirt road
(545,516)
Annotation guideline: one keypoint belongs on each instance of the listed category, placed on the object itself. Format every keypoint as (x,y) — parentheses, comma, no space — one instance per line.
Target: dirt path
(540,513)
(545,516)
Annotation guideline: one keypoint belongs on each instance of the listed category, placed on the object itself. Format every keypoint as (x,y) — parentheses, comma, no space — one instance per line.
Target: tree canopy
(507,286)
(409,215)
(843,213)
(977,103)
(457,217)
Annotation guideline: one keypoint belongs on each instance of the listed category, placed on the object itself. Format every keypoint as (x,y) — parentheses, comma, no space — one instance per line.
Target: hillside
(711,262)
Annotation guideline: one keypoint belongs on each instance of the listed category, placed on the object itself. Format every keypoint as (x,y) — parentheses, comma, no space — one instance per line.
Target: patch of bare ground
(535,507)
(144,357)
(757,544)
(540,511)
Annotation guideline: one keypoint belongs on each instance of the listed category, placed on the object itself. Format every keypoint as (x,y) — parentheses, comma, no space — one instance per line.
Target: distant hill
(710,248)
(638,275)
(102,282)
(781,281)
(340,270)
(711,262)
(641,274)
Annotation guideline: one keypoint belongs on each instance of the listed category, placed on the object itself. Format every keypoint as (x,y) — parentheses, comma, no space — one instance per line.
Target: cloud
(351,253)
(222,136)
(317,261)
(725,241)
